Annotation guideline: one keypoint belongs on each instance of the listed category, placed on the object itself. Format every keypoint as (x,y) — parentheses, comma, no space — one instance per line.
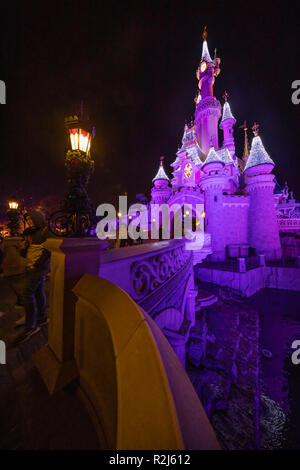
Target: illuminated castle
(237,193)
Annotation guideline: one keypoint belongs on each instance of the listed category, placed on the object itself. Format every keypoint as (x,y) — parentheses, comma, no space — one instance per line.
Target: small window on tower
(216,198)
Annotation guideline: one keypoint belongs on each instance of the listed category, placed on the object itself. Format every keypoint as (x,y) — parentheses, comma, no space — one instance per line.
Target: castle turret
(161,191)
(226,124)
(263,230)
(246,145)
(208,110)
(213,183)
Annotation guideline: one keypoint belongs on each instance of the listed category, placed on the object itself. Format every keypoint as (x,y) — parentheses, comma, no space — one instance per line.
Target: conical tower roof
(227,114)
(225,155)
(161,174)
(258,154)
(213,157)
(205,52)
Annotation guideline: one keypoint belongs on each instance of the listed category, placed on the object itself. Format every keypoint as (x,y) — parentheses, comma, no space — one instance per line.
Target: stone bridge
(108,309)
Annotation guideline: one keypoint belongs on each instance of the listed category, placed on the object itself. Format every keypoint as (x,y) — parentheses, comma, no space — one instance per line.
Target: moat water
(274,408)
(279,315)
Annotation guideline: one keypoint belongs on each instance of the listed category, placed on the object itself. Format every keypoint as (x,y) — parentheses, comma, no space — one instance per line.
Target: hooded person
(37,266)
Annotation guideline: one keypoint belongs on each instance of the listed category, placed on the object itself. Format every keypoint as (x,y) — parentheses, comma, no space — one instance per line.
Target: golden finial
(162,161)
(204,34)
(255,129)
(211,141)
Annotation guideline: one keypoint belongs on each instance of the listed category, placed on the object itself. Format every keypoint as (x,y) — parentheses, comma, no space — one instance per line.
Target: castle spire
(205,51)
(246,144)
(227,114)
(258,155)
(161,191)
(161,175)
(226,124)
(213,157)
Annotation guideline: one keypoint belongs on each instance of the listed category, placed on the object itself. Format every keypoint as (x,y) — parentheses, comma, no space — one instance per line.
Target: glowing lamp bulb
(119,214)
(203,215)
(80,139)
(13,205)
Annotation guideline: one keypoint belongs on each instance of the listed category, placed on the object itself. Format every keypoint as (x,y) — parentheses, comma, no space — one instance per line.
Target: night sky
(133,63)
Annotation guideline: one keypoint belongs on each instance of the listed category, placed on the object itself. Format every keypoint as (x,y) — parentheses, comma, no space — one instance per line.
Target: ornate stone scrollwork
(150,273)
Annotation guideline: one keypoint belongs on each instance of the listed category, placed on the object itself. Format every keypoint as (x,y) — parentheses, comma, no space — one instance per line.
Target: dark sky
(133,63)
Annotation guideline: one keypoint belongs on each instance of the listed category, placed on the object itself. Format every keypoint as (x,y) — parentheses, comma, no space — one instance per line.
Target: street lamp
(13,214)
(80,134)
(76,216)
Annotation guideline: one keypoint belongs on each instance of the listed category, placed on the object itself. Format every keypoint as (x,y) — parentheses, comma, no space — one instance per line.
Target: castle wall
(235,219)
(214,220)
(263,229)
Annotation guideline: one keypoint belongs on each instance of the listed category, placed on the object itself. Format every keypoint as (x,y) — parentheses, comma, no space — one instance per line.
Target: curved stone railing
(90,338)
(149,272)
(71,258)
(137,391)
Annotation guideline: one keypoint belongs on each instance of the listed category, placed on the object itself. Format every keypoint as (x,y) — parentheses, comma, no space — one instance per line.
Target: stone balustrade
(131,381)
(138,393)
(149,273)
(157,275)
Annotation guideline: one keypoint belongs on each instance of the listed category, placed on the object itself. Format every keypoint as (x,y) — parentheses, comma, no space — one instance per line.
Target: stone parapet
(70,259)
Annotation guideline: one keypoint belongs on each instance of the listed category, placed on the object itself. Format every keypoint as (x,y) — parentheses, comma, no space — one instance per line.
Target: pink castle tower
(226,124)
(208,110)
(263,230)
(161,191)
(212,183)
